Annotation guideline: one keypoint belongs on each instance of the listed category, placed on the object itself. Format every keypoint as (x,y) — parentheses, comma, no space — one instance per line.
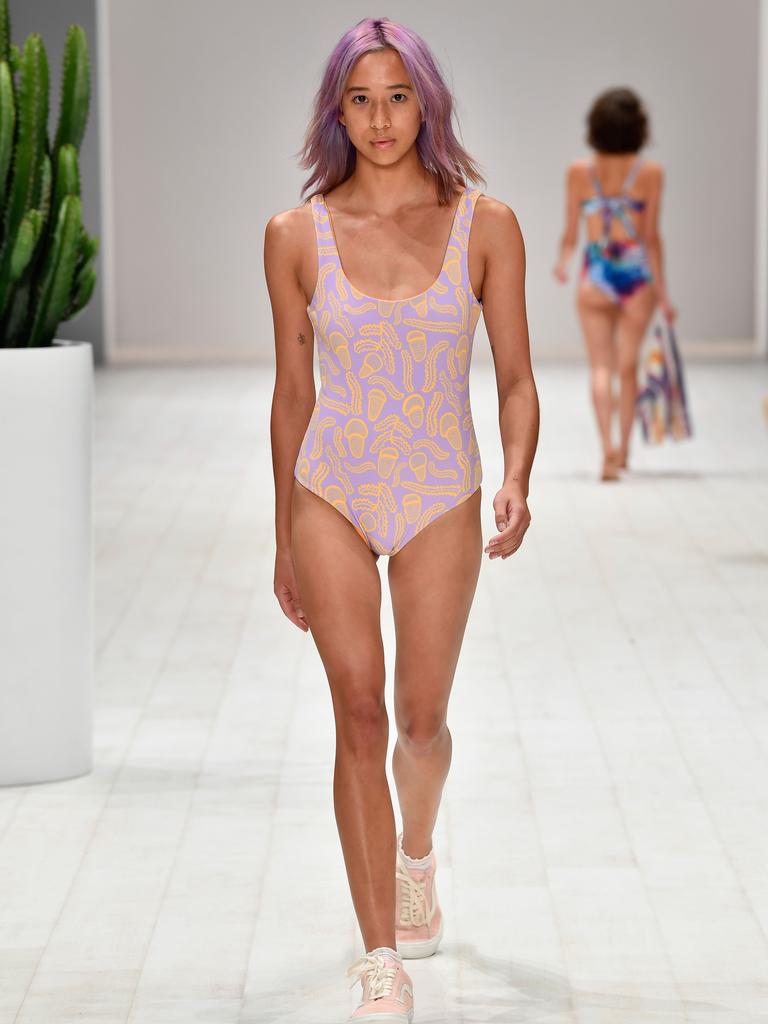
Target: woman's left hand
(512,520)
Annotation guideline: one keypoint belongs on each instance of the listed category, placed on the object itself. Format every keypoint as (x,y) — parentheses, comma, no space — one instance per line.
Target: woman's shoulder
(287,228)
(651,168)
(578,169)
(496,224)
(650,178)
(578,176)
(492,209)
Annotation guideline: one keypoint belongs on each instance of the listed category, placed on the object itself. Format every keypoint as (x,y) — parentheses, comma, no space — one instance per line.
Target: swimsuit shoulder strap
(600,202)
(326,241)
(626,201)
(595,180)
(631,175)
(462,226)
(628,181)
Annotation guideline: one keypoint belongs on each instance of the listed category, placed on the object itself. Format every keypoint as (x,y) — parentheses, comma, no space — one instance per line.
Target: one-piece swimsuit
(618,266)
(390,442)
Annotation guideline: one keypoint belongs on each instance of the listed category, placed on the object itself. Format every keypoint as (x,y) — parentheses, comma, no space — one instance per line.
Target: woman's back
(615,201)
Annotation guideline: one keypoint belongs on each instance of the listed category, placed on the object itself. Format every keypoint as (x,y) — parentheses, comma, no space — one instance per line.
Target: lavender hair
(327,148)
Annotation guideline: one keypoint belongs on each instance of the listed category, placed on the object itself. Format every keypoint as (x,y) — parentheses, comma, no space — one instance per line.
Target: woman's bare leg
(340,590)
(634,317)
(432,582)
(598,316)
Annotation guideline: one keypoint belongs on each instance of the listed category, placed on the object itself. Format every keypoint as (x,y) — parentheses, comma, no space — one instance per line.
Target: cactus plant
(47,258)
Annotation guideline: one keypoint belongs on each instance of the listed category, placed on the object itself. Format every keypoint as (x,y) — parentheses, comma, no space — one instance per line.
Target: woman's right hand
(287,589)
(668,310)
(560,273)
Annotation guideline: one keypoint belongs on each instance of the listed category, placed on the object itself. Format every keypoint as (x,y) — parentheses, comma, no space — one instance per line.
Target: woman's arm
(507,325)
(570,236)
(294,396)
(652,238)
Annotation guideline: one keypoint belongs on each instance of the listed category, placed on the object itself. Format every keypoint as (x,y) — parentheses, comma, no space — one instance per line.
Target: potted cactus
(46,398)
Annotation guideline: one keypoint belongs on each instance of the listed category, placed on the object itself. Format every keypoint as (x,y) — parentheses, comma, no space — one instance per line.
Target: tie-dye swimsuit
(390,442)
(616,265)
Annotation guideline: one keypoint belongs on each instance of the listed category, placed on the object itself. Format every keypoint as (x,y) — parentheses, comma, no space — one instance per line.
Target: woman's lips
(383,143)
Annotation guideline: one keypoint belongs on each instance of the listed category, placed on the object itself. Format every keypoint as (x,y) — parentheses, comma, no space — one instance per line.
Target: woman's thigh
(634,317)
(432,582)
(340,590)
(598,315)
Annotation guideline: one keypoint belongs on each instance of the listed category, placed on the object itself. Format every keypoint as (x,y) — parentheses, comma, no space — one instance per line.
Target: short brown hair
(617,122)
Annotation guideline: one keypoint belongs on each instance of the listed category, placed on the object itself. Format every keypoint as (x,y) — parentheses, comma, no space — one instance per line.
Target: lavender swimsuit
(390,443)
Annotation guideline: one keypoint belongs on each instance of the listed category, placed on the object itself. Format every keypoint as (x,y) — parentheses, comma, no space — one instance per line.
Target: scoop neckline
(409,298)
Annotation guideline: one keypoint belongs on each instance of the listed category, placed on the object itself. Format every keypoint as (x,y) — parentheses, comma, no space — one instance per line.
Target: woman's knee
(600,376)
(422,731)
(628,367)
(630,343)
(362,725)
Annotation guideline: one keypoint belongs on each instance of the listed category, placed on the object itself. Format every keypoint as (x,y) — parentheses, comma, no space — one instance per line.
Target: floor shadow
(513,992)
(591,476)
(653,475)
(754,559)
(491,991)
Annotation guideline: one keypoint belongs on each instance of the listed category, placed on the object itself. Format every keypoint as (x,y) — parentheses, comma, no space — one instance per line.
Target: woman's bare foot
(610,469)
(622,458)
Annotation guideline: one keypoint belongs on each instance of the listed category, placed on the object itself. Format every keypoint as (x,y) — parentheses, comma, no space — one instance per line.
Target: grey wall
(205,124)
(50,18)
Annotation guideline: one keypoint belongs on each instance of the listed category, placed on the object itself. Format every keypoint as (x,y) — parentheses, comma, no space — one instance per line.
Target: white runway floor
(603,841)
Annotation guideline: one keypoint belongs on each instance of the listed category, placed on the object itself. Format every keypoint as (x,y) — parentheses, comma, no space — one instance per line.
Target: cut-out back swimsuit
(390,442)
(618,266)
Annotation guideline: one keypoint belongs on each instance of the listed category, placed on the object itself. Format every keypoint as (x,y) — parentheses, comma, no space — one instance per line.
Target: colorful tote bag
(661,407)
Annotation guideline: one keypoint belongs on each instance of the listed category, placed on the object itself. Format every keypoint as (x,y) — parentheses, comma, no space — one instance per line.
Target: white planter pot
(46,563)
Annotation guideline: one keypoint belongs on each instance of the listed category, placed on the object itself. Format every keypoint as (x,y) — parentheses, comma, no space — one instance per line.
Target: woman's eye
(394,96)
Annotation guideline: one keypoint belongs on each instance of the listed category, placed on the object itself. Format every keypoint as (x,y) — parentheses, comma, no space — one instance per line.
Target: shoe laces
(373,968)
(413,901)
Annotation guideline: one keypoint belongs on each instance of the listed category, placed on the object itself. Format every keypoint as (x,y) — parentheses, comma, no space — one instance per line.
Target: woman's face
(379,104)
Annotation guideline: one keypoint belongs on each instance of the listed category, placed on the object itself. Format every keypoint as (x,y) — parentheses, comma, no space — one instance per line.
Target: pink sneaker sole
(385,1018)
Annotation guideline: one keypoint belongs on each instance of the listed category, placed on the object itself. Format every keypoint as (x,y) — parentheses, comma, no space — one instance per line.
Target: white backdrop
(207,103)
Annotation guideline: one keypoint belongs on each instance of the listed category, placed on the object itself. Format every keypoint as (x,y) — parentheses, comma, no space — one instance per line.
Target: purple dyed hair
(327,148)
